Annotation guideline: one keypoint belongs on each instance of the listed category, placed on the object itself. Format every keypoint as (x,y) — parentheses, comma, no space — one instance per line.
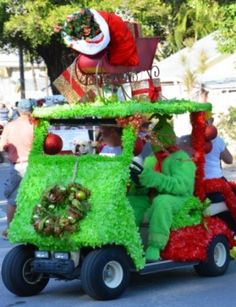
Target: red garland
(190,243)
(226,189)
(135,121)
(198,144)
(233,185)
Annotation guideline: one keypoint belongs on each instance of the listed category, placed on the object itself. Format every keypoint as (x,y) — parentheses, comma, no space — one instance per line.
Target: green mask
(165,135)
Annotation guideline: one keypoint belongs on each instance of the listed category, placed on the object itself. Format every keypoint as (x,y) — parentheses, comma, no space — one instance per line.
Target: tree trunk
(57,58)
(22,72)
(34,75)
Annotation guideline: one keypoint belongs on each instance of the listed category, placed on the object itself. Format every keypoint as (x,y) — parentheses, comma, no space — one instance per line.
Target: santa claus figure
(90,32)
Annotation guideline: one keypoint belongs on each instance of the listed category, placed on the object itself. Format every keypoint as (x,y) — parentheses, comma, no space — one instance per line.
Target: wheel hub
(219,254)
(29,276)
(112,274)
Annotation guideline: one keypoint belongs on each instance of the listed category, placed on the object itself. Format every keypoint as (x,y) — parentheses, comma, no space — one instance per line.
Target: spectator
(213,169)
(111,138)
(3,114)
(213,165)
(17,140)
(143,135)
(14,111)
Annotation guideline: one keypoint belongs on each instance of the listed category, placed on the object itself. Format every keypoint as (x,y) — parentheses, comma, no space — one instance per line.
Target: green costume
(174,185)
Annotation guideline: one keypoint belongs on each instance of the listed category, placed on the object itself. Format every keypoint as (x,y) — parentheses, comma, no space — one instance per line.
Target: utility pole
(22,75)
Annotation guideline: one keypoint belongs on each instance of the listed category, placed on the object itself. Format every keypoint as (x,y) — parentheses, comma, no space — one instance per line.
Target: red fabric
(161,155)
(122,48)
(138,146)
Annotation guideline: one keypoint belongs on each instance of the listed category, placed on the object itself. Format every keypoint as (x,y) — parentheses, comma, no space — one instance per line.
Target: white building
(36,86)
(218,78)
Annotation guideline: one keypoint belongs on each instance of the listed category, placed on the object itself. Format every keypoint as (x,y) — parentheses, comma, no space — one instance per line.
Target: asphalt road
(179,288)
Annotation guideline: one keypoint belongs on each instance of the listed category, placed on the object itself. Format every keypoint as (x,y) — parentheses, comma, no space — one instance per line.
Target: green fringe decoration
(190,214)
(120,109)
(110,219)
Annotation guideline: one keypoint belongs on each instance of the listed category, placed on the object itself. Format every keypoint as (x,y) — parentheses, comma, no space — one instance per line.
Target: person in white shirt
(213,169)
(213,159)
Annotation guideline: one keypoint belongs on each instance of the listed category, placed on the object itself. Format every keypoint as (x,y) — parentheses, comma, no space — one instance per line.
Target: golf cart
(74,219)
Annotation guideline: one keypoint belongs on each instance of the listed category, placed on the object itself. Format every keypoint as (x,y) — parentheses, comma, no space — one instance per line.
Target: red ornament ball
(210,132)
(207,147)
(52,144)
(138,146)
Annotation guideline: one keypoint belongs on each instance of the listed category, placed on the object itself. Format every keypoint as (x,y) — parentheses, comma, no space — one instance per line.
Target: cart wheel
(105,273)
(17,275)
(218,258)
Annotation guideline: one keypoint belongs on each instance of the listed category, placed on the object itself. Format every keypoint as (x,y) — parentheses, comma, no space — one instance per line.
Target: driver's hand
(147,177)
(136,169)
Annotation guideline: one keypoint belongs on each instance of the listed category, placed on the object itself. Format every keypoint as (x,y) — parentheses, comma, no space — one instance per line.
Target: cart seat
(215,208)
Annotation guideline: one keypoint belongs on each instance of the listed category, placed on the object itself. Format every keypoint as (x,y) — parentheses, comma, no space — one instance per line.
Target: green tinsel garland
(121,109)
(190,214)
(110,219)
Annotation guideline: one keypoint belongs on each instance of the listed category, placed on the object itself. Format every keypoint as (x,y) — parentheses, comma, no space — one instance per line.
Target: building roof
(221,75)
(221,67)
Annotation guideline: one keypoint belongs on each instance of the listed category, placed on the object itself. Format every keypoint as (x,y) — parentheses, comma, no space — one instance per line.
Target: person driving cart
(171,172)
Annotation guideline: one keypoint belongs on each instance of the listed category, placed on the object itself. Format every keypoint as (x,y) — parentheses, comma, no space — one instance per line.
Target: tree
(228,123)
(29,24)
(227,29)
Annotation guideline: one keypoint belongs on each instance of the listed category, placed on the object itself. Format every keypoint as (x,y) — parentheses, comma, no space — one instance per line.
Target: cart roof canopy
(120,109)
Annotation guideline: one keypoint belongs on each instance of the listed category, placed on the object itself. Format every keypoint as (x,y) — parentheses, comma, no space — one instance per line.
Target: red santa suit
(115,37)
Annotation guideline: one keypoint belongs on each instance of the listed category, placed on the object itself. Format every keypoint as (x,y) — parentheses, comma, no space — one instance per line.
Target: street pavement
(177,288)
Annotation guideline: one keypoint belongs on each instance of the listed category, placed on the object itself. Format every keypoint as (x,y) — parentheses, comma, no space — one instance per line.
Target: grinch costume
(171,172)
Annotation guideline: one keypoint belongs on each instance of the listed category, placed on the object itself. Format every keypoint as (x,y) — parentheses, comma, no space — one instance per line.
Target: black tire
(17,275)
(218,258)
(105,273)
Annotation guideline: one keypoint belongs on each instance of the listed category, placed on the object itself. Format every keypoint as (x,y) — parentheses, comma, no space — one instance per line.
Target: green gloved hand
(149,178)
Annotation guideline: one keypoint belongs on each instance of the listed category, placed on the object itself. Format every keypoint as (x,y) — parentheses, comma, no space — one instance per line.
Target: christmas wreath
(60,209)
(80,25)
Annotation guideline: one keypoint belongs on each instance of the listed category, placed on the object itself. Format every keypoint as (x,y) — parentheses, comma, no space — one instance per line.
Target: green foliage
(193,20)
(34,25)
(3,18)
(228,123)
(227,29)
